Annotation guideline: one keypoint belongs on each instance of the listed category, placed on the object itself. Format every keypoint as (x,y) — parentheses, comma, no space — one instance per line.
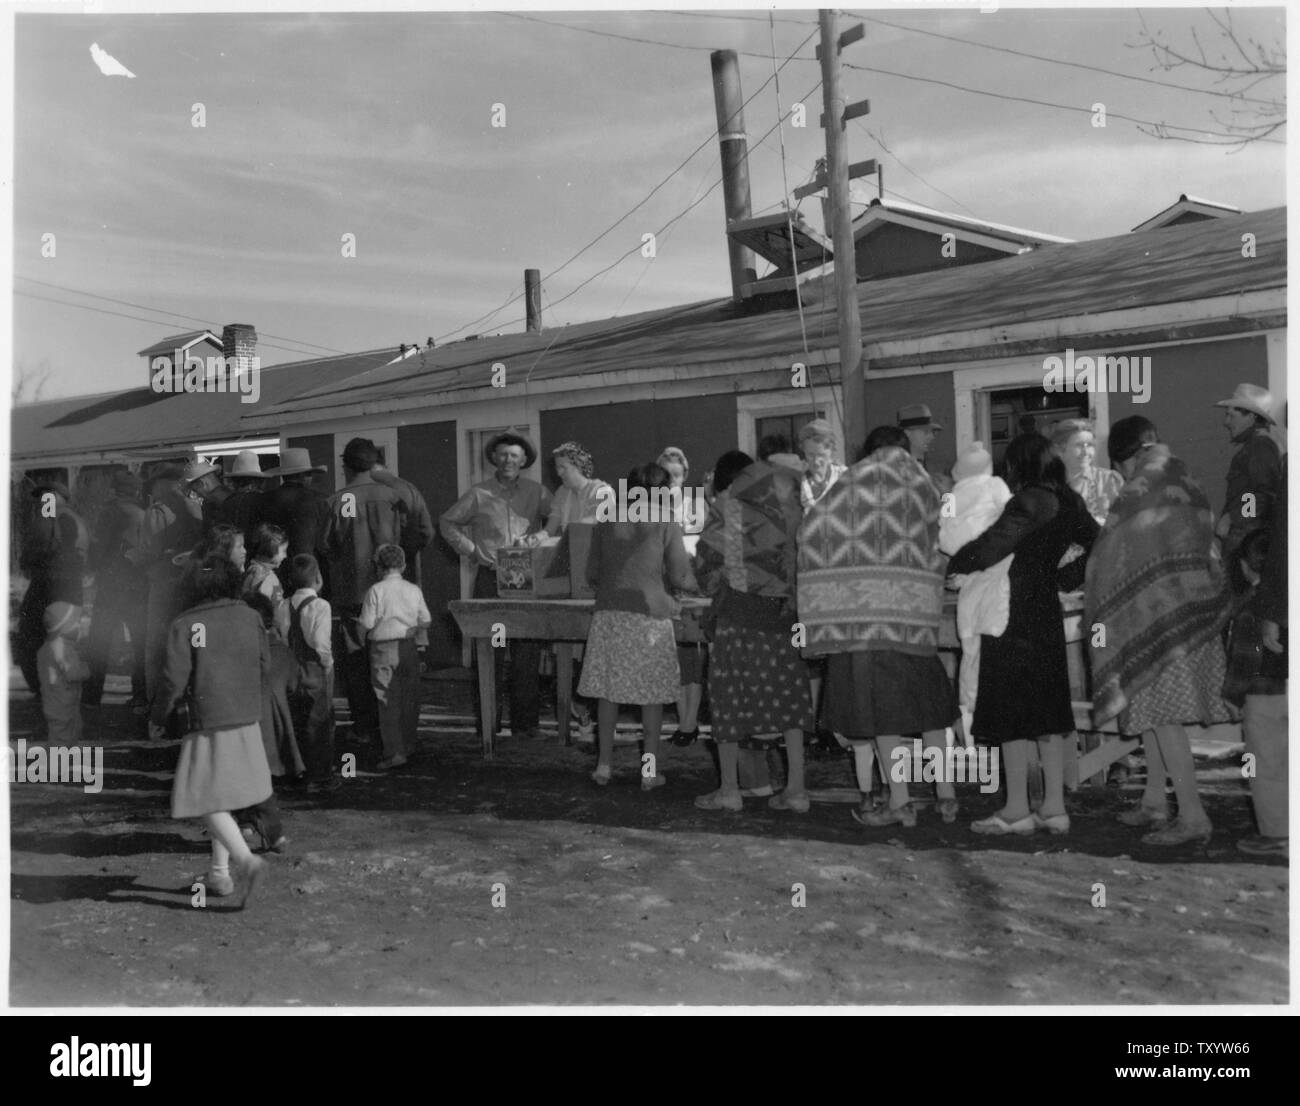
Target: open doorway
(1015,411)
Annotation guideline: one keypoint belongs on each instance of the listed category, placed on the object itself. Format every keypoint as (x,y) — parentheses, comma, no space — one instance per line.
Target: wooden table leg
(487,693)
(563,687)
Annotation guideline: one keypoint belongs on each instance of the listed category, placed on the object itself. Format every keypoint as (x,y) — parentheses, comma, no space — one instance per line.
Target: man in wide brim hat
(509,437)
(918,424)
(1251,398)
(294,461)
(1255,472)
(505,510)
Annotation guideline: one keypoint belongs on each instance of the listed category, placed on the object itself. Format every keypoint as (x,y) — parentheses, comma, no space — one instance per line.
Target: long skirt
(220,770)
(757,683)
(631,658)
(878,693)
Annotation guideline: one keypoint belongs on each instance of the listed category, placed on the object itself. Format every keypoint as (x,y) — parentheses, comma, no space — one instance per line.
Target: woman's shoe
(1179,832)
(763,792)
(904,815)
(1057,824)
(218,885)
(649,783)
(947,809)
(601,776)
(683,738)
(716,800)
(1142,815)
(800,804)
(996,826)
(1259,845)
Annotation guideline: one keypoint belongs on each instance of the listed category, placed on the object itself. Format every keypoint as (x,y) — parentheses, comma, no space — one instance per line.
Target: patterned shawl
(748,540)
(869,561)
(1154,585)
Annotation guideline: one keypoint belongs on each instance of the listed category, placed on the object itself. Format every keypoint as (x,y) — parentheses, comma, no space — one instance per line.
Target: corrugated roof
(137,419)
(1188,262)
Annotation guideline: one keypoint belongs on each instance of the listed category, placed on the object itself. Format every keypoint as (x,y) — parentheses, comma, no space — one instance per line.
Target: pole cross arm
(852,111)
(857,169)
(848,38)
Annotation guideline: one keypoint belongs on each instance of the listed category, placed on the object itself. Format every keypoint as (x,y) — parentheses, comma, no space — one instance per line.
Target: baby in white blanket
(984,603)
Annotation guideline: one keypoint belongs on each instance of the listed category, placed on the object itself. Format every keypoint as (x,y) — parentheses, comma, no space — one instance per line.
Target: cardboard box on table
(531,573)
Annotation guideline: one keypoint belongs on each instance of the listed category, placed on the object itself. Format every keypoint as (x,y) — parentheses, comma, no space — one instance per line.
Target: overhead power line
(137,318)
(174,314)
(1230,139)
(632,210)
(1058,61)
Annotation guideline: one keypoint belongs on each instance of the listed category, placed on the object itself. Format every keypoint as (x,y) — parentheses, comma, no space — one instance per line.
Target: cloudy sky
(380,126)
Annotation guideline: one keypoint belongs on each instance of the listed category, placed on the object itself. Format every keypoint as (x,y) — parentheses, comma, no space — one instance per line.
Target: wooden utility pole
(841,230)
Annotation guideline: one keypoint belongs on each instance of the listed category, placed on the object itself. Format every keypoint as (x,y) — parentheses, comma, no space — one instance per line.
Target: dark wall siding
(885,396)
(426,456)
(620,436)
(1186,382)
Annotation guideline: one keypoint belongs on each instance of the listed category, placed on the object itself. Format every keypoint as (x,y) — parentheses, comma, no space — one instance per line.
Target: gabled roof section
(1074,280)
(181,342)
(997,236)
(1185,206)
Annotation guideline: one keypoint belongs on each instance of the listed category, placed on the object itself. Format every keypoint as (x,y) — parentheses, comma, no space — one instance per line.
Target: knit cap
(60,616)
(974,460)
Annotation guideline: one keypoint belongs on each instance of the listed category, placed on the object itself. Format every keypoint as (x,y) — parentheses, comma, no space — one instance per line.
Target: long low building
(1177,315)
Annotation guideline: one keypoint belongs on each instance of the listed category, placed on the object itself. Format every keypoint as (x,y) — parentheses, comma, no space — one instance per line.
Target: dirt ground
(386,893)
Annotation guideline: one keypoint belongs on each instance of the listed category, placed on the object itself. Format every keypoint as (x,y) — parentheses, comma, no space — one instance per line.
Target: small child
(312,698)
(61,673)
(396,619)
(984,603)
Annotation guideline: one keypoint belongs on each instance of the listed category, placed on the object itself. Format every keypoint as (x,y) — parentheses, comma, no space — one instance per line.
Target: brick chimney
(239,346)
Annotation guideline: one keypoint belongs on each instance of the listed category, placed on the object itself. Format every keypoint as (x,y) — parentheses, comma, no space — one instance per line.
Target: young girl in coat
(631,652)
(215,652)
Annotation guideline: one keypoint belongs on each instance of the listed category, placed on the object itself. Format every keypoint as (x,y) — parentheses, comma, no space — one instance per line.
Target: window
(788,425)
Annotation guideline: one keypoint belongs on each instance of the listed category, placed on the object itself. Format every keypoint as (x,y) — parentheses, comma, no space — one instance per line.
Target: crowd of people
(827,585)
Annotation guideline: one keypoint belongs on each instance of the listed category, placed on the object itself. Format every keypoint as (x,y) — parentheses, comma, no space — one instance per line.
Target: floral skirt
(220,770)
(631,658)
(758,683)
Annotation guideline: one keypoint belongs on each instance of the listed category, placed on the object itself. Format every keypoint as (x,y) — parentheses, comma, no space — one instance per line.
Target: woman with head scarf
(870,599)
(1074,442)
(1024,678)
(746,561)
(1160,596)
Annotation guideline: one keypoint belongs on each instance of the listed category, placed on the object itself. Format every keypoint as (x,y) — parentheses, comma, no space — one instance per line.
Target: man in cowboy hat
(299,509)
(1255,472)
(360,518)
(121,588)
(244,507)
(504,510)
(54,553)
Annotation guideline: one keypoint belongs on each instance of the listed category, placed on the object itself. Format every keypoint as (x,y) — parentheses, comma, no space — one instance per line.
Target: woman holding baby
(1024,685)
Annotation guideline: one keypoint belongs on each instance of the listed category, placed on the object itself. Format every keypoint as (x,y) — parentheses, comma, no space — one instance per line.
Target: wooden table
(566,622)
(562,622)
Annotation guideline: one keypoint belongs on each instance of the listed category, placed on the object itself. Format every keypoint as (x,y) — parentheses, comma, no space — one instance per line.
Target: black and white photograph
(670,511)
